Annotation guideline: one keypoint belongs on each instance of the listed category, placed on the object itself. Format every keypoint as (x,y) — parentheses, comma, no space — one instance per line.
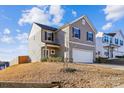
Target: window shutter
(52,36)
(45,35)
(92,36)
(79,34)
(87,35)
(72,31)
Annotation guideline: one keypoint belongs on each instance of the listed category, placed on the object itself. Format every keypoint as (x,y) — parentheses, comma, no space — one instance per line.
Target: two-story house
(74,41)
(110,45)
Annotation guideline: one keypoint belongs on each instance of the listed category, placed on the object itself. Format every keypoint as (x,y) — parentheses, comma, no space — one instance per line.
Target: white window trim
(51,52)
(53,36)
(90,40)
(80,34)
(81,44)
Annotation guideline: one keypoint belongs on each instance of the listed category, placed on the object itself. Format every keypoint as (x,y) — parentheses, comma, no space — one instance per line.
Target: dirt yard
(80,75)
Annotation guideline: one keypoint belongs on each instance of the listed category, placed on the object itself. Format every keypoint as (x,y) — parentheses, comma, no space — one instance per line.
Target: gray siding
(83,32)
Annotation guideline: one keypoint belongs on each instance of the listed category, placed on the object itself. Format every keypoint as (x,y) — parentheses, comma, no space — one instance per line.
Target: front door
(46,52)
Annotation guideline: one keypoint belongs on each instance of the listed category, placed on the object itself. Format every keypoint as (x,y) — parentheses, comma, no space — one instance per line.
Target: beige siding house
(74,41)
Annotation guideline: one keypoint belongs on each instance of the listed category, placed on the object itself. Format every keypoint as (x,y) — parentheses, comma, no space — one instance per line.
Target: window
(76,32)
(116,41)
(121,42)
(49,36)
(98,52)
(106,53)
(83,21)
(90,36)
(111,40)
(105,39)
(52,51)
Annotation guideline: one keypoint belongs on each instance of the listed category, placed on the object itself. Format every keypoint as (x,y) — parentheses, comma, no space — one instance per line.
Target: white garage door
(80,55)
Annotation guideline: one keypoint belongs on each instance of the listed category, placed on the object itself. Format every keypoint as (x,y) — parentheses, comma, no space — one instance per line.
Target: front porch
(110,50)
(50,50)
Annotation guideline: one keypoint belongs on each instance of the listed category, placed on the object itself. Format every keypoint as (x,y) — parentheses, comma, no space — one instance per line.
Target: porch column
(108,52)
(45,50)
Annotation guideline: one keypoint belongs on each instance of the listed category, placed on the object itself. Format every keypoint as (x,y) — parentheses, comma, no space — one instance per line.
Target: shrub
(52,59)
(101,60)
(44,59)
(69,70)
(120,56)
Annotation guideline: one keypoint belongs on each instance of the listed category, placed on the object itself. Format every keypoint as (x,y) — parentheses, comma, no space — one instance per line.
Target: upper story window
(90,36)
(83,21)
(116,41)
(121,42)
(110,39)
(105,39)
(76,32)
(49,36)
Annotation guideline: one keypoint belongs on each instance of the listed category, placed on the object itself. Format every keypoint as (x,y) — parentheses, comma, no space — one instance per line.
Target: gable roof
(110,34)
(114,33)
(120,32)
(87,20)
(46,27)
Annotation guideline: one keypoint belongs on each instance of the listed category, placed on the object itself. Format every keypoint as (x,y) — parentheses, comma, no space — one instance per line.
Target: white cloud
(7,39)
(74,13)
(6,31)
(114,12)
(34,15)
(17,30)
(49,15)
(107,26)
(57,12)
(22,37)
(99,34)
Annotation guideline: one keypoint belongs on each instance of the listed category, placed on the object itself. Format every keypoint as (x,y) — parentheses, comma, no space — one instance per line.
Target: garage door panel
(80,55)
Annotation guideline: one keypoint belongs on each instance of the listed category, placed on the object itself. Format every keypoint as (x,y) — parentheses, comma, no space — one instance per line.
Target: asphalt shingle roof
(46,27)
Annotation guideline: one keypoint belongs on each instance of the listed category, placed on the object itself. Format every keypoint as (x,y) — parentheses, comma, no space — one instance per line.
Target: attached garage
(82,56)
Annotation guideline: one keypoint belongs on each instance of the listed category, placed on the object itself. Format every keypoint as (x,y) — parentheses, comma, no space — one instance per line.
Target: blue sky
(15,22)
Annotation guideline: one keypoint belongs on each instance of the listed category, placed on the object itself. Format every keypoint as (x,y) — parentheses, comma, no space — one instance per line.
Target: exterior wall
(83,32)
(43,36)
(35,43)
(120,50)
(81,43)
(61,39)
(99,47)
(65,41)
(51,48)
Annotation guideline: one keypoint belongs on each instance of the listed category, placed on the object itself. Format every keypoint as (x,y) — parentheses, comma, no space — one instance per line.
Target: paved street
(119,67)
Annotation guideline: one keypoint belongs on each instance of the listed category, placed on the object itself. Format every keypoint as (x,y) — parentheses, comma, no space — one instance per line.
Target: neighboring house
(110,45)
(3,65)
(74,42)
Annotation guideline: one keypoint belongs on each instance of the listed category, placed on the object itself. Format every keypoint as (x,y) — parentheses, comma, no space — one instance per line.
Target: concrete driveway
(111,66)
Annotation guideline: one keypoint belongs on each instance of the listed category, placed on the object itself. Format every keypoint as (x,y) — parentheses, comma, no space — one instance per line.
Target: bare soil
(83,75)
